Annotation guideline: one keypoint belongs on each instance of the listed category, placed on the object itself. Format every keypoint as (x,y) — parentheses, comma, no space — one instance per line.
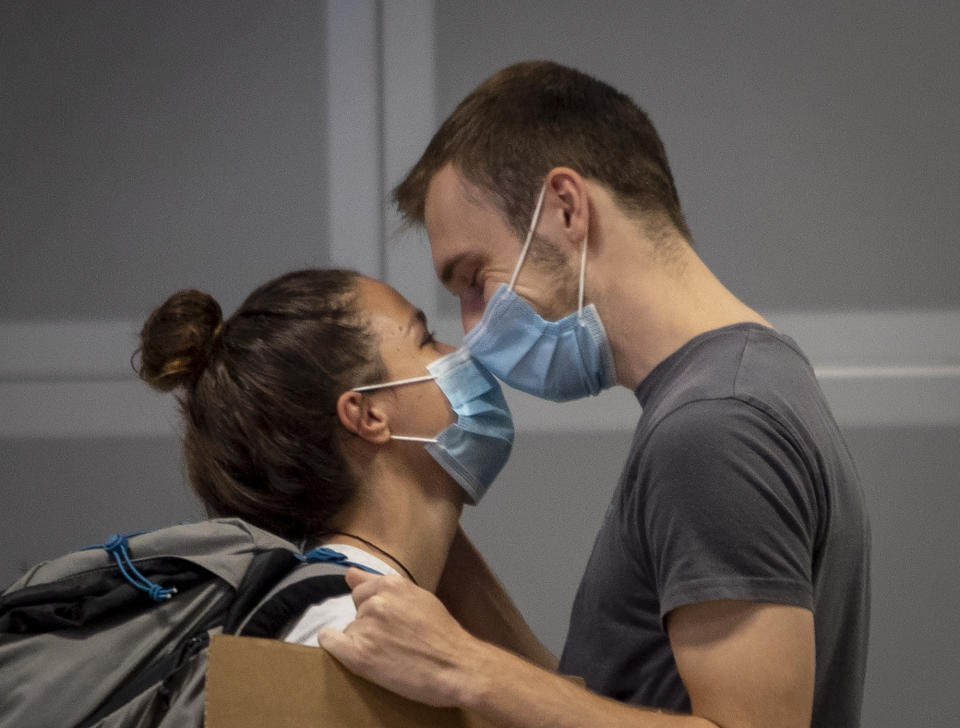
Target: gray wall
(147,146)
(62,494)
(813,143)
(150,146)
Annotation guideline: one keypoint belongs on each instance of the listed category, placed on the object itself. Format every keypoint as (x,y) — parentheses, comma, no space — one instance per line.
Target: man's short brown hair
(531,117)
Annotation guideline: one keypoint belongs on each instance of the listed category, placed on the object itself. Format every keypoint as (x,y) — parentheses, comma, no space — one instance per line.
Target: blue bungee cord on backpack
(118,547)
(325,554)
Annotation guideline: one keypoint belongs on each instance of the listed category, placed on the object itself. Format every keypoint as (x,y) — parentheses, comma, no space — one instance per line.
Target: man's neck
(652,305)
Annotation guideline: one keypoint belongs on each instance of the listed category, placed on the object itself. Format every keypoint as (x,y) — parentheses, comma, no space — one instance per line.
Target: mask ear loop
(397,383)
(583,270)
(526,243)
(526,247)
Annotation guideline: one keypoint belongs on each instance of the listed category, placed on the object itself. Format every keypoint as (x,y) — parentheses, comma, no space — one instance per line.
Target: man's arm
(478,601)
(744,664)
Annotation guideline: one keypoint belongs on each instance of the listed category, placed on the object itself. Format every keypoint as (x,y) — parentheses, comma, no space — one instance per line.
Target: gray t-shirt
(738,486)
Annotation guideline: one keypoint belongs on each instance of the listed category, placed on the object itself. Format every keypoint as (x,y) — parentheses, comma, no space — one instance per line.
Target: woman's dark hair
(259,393)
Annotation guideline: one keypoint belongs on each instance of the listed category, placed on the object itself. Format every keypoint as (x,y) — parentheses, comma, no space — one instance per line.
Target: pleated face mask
(556,360)
(474,449)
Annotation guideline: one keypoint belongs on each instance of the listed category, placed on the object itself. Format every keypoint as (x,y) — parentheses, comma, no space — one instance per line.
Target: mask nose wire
(526,243)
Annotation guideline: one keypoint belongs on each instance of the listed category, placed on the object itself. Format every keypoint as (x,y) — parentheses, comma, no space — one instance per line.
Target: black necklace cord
(386,553)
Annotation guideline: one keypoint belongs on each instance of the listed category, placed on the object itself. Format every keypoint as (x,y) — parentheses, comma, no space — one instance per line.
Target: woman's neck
(408,525)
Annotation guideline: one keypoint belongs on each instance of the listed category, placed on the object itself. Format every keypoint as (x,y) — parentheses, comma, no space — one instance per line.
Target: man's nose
(469,319)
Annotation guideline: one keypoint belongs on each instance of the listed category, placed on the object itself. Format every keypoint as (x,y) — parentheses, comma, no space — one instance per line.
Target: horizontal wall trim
(888,373)
(73,379)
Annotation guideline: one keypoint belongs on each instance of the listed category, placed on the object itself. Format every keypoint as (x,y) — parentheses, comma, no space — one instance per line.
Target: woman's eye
(427,339)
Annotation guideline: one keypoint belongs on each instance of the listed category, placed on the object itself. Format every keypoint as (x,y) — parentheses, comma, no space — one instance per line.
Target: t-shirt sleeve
(727,510)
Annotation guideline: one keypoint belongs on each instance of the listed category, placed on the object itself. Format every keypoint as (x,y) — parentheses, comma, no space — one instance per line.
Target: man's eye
(427,339)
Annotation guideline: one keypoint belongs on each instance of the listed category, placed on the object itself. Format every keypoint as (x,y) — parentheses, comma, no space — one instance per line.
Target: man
(729,581)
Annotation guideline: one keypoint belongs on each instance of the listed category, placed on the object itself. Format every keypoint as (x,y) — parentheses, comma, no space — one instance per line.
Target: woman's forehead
(383,305)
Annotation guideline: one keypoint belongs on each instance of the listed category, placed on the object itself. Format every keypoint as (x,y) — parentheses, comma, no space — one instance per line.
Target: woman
(324,411)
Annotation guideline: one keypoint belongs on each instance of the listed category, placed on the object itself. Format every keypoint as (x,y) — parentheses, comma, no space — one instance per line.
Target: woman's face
(406,348)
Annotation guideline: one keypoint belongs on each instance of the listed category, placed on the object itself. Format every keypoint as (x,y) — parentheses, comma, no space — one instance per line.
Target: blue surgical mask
(557,360)
(474,449)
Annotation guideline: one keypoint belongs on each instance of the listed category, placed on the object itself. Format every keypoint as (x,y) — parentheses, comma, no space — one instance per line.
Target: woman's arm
(473,594)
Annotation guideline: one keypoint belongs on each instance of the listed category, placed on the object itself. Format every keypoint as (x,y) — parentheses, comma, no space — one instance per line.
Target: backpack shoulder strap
(307,584)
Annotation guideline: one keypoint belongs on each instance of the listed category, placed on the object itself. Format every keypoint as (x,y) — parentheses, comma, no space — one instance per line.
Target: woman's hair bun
(176,340)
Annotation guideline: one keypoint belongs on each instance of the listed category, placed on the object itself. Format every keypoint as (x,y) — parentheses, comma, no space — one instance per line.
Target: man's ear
(361,416)
(569,204)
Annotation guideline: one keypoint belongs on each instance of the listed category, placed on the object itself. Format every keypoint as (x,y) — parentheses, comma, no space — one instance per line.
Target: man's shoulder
(742,389)
(740,362)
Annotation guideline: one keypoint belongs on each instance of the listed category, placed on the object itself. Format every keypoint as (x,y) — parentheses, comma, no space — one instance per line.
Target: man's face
(474,250)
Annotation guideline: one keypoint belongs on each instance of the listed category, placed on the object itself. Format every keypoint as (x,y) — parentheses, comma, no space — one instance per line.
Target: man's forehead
(462,222)
(449,192)
(449,216)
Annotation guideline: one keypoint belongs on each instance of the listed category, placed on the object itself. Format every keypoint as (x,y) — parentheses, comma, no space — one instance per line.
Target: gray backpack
(117,635)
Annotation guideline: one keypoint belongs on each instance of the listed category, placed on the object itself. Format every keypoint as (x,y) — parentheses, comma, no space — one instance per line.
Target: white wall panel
(876,369)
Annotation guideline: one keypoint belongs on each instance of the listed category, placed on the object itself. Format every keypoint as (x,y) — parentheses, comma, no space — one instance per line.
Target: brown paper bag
(257,683)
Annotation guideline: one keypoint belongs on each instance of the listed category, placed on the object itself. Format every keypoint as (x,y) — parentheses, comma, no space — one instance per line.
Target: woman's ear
(360,415)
